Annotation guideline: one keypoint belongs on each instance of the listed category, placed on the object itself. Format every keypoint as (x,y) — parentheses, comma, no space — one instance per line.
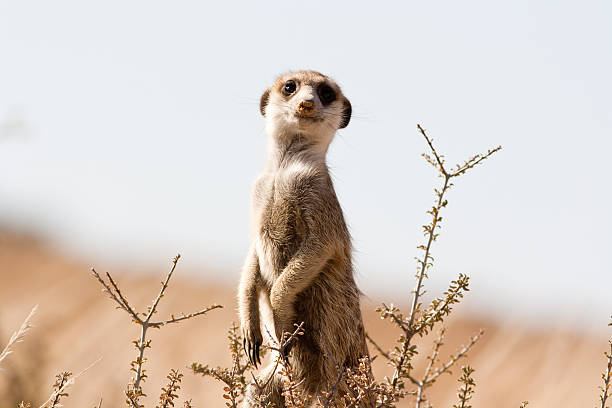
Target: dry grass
(18,336)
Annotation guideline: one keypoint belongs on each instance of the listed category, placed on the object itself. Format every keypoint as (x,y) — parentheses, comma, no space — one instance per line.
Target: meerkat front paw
(252,341)
(283,327)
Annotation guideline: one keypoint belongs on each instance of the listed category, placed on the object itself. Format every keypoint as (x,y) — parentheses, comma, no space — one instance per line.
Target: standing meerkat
(299,262)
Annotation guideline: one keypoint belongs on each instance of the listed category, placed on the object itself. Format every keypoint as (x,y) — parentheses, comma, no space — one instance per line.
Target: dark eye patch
(289,87)
(326,94)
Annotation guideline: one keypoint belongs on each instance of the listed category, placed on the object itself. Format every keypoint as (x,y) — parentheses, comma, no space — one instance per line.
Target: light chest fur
(279,205)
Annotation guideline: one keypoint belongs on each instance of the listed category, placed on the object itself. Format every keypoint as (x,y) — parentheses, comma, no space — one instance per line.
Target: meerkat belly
(280,234)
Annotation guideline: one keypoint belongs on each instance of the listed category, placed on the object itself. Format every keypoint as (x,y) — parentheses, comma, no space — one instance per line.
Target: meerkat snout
(306,108)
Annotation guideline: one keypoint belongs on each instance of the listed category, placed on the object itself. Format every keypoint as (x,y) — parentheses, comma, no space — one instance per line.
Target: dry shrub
(402,381)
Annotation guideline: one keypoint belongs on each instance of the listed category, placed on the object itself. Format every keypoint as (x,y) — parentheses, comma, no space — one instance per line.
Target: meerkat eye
(289,87)
(327,94)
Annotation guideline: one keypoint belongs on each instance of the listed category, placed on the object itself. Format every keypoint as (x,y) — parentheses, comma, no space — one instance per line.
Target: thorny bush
(402,381)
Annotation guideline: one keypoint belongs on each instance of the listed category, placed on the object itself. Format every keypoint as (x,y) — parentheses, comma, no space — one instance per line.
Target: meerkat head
(306,103)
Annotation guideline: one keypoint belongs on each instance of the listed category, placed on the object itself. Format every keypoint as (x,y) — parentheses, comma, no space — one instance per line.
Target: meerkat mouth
(308,117)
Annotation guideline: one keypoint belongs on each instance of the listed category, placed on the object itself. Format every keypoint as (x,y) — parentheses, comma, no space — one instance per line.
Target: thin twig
(431,232)
(333,389)
(398,321)
(432,360)
(474,161)
(125,306)
(183,317)
(341,370)
(377,347)
(455,358)
(286,339)
(153,308)
(400,363)
(294,386)
(140,360)
(430,143)
(606,378)
(123,299)
(68,383)
(426,257)
(61,380)
(434,354)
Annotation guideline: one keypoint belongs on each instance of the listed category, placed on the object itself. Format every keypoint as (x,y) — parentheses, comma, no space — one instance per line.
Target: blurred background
(130,131)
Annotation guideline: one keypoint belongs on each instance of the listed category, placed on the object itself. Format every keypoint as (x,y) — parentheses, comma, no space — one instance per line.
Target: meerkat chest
(280,213)
(279,225)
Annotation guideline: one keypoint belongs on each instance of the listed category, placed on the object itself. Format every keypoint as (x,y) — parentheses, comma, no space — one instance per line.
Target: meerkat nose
(306,107)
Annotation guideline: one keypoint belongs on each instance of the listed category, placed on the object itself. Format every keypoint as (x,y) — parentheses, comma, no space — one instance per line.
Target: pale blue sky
(142,135)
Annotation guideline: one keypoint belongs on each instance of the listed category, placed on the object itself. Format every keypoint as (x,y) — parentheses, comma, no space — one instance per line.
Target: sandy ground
(76,325)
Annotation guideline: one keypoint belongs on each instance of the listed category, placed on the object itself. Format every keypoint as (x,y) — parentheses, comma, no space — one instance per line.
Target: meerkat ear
(263,102)
(346,114)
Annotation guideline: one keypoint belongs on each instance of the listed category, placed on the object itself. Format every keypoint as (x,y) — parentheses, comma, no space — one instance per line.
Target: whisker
(322,113)
(354,115)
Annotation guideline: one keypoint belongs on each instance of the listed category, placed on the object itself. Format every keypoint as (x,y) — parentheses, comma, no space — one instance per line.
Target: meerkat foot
(252,341)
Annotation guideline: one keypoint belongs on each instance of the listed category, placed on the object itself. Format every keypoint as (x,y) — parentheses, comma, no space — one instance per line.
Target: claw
(253,360)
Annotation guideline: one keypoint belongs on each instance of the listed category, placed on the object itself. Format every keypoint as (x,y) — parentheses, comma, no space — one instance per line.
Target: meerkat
(299,262)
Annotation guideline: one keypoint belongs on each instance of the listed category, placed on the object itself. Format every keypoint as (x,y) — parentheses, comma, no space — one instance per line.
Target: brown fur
(300,258)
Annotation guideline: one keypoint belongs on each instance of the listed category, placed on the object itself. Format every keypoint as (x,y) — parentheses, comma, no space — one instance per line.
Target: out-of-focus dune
(76,324)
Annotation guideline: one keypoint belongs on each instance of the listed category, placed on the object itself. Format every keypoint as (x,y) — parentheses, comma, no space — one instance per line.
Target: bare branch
(424,262)
(121,301)
(377,347)
(142,345)
(394,314)
(153,308)
(330,395)
(605,388)
(433,359)
(474,161)
(455,358)
(439,159)
(287,338)
(184,317)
